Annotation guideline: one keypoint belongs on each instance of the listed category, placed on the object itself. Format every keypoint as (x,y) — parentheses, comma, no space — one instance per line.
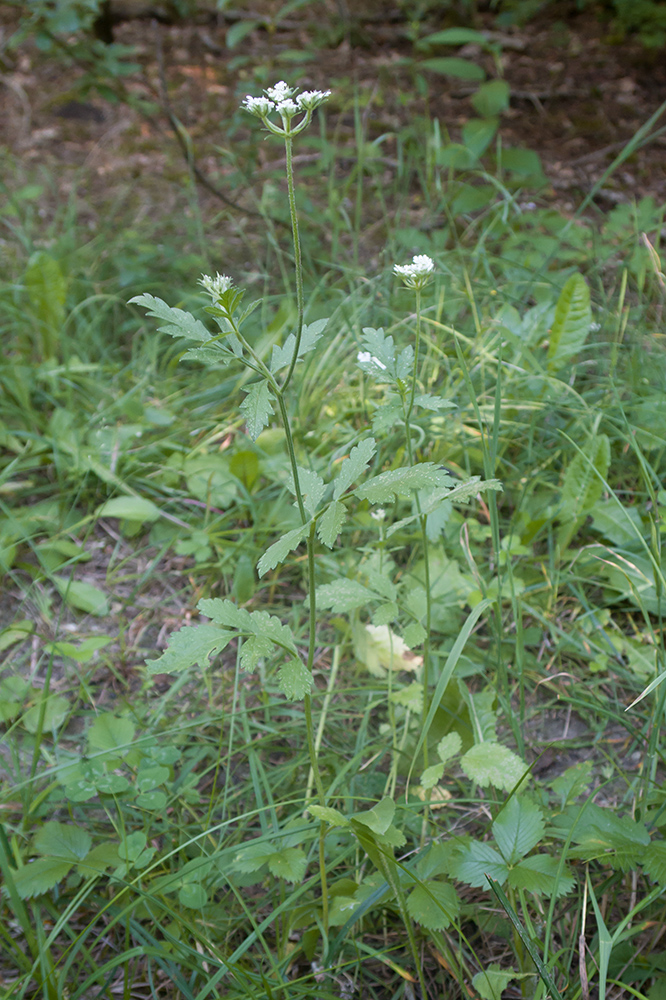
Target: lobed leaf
(518,828)
(279,550)
(330,523)
(344,595)
(178,322)
(192,645)
(294,680)
(540,874)
(402,482)
(472,863)
(312,489)
(493,764)
(353,467)
(257,408)
(260,623)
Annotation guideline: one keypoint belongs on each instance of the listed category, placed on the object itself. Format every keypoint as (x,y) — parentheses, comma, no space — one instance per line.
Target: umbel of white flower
(284,100)
(418,273)
(216,286)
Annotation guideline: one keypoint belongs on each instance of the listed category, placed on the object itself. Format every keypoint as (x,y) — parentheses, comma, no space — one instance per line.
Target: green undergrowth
(332,650)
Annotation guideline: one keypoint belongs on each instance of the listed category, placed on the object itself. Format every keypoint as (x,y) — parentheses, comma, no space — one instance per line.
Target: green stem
(298,264)
(426,558)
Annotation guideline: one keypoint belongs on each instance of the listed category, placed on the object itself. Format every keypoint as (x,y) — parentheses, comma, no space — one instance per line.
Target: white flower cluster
(416,274)
(284,99)
(217,285)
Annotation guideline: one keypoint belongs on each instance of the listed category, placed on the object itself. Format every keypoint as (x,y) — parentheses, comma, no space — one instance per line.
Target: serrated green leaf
(518,828)
(289,863)
(330,523)
(381,350)
(257,408)
(402,482)
(82,596)
(190,646)
(278,551)
(539,874)
(460,493)
(312,489)
(491,983)
(571,325)
(326,814)
(654,861)
(429,402)
(344,595)
(414,634)
(281,356)
(385,613)
(493,764)
(433,905)
(448,746)
(379,818)
(224,612)
(255,648)
(63,841)
(98,860)
(179,323)
(582,487)
(129,509)
(353,467)
(387,416)
(432,775)
(37,877)
(473,862)
(111,732)
(294,680)
(210,354)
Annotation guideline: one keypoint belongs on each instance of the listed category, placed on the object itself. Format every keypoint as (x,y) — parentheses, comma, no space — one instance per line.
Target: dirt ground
(576,99)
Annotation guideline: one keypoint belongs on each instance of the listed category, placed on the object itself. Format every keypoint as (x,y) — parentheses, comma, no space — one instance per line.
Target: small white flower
(366,358)
(280,92)
(217,285)
(311,99)
(259,106)
(416,274)
(378,514)
(288,108)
